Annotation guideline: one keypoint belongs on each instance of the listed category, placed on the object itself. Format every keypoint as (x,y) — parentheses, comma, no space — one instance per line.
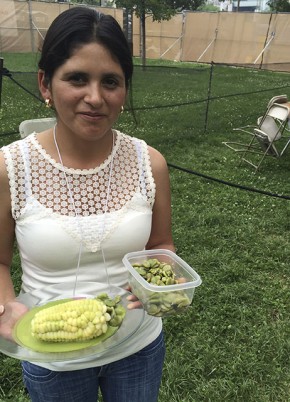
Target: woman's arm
(10,310)
(6,236)
(161,231)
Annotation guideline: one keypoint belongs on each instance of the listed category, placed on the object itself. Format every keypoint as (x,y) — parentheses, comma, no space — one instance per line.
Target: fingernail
(2,308)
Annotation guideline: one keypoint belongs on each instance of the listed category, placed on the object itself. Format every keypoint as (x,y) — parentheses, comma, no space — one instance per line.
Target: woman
(85,192)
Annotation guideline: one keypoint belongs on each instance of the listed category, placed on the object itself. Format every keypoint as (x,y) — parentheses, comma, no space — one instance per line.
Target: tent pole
(216,31)
(272,37)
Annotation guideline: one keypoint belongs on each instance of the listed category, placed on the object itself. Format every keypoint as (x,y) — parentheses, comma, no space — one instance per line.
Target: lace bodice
(32,172)
(35,178)
(50,236)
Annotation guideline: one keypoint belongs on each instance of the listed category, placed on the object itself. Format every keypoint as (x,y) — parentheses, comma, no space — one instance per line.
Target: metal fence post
(208,96)
(31,27)
(1,75)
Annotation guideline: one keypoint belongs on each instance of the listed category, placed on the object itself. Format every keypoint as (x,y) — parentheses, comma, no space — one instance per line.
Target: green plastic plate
(22,335)
(25,347)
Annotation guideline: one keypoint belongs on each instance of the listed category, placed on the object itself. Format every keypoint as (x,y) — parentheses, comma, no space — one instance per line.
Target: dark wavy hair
(79,26)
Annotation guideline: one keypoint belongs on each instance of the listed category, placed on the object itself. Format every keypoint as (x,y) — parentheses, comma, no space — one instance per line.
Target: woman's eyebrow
(71,73)
(114,74)
(109,74)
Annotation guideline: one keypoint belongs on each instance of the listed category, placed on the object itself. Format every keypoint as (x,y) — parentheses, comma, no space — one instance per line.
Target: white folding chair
(27,127)
(270,129)
(248,129)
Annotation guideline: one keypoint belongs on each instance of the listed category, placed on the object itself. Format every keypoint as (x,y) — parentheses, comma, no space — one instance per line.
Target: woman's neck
(75,153)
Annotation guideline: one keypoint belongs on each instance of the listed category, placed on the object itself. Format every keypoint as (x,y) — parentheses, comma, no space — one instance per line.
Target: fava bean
(162,274)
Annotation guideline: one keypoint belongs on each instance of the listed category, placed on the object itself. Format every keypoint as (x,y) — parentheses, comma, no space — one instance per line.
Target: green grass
(233,344)
(24,62)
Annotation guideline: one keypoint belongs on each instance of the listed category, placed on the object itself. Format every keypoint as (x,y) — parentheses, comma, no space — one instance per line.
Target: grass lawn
(233,343)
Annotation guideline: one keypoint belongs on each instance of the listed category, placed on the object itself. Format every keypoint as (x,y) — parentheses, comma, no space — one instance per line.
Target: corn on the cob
(76,320)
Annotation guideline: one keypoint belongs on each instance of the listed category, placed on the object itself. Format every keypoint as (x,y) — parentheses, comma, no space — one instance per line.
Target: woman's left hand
(135,302)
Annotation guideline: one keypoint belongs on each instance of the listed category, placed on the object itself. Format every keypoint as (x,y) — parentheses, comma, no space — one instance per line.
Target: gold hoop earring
(48,103)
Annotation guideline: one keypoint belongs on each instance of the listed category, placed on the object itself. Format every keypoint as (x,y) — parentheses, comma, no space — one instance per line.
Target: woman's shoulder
(126,137)
(11,155)
(130,142)
(3,169)
(14,144)
(157,160)
(139,142)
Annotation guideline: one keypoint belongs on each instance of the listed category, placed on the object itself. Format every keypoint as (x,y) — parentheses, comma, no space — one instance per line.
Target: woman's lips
(92,116)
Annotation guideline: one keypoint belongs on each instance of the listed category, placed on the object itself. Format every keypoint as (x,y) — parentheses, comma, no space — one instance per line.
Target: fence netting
(203,89)
(207,99)
(259,40)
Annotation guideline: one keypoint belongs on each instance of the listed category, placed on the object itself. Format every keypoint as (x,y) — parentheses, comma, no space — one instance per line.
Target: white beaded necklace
(77,214)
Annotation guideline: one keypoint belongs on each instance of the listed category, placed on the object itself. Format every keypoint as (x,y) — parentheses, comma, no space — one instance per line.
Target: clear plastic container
(157,300)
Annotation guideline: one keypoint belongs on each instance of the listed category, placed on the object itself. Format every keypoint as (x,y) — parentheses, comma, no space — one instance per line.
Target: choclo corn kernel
(77,320)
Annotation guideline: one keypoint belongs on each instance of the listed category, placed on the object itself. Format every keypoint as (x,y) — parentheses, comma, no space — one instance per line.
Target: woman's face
(87,92)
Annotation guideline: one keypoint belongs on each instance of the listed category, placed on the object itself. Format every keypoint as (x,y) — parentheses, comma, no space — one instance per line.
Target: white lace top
(114,212)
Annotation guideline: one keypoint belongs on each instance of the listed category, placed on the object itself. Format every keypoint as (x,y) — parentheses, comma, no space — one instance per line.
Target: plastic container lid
(138,256)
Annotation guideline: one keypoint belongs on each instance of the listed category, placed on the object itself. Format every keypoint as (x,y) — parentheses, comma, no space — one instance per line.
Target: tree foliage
(279,6)
(159,9)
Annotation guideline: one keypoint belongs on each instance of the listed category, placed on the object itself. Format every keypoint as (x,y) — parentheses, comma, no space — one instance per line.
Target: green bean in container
(160,273)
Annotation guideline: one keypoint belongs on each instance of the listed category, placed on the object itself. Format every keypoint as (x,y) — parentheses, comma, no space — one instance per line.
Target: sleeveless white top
(114,217)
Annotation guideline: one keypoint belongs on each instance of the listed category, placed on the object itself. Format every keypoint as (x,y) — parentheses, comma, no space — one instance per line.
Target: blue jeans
(133,379)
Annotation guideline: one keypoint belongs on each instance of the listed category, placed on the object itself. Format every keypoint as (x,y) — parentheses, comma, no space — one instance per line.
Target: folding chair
(270,129)
(277,99)
(271,125)
(248,129)
(27,127)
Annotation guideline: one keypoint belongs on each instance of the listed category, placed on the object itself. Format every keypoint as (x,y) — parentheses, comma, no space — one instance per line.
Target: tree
(279,6)
(189,5)
(87,2)
(159,10)
(210,8)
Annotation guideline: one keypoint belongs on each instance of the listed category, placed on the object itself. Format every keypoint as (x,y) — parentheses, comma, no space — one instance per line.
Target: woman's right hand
(9,315)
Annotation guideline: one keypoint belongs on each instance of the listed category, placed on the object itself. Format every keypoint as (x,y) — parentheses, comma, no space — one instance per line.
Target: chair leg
(285,147)
(245,151)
